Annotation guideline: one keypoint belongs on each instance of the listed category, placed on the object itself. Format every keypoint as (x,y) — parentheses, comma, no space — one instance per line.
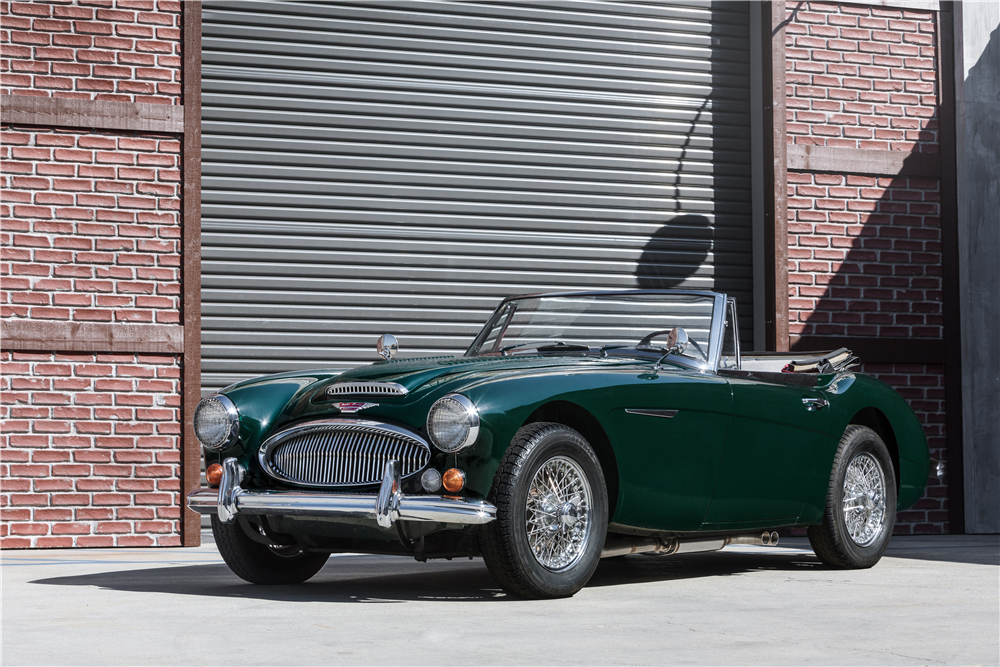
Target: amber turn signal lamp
(453,480)
(213,474)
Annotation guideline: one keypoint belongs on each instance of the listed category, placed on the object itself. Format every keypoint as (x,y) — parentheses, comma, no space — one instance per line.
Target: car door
(669,429)
(779,424)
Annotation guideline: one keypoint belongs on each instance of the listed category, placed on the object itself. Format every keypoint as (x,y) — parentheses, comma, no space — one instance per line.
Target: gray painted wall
(977,61)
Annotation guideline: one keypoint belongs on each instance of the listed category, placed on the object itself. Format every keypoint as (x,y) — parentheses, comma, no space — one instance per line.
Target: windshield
(612,323)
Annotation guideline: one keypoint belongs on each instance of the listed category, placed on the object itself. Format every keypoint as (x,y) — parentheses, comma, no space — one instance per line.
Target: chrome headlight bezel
(468,412)
(232,432)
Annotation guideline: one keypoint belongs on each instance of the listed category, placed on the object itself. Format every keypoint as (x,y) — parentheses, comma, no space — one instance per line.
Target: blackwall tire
(546,545)
(261,564)
(861,503)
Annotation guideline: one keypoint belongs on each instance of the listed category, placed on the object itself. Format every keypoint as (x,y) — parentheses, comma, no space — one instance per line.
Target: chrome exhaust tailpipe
(623,545)
(765,539)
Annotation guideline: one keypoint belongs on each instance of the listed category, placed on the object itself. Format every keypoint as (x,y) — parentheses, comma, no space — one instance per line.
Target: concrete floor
(931,600)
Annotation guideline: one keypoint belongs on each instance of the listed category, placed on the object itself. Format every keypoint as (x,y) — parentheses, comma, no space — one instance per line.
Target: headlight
(453,423)
(216,422)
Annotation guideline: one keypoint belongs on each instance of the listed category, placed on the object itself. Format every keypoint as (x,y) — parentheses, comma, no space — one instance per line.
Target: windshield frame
(716,332)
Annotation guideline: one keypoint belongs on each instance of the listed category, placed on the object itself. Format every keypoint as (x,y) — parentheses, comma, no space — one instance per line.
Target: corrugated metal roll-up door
(399,167)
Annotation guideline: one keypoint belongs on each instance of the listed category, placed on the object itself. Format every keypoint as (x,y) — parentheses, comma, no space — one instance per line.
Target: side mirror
(677,340)
(387,346)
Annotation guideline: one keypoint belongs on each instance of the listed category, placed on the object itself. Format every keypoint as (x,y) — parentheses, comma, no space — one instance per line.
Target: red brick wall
(861,77)
(864,252)
(89,453)
(864,256)
(127,51)
(91,227)
(90,230)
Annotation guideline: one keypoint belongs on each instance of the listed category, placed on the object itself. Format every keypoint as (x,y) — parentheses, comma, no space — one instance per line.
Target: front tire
(262,564)
(860,505)
(552,514)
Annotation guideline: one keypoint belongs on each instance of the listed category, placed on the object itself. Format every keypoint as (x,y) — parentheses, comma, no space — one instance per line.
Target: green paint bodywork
(741,452)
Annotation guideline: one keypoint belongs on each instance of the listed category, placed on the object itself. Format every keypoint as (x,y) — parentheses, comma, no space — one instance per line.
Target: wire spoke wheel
(860,502)
(552,513)
(864,499)
(557,519)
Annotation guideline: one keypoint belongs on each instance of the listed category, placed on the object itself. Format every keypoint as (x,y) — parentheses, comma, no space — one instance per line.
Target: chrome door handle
(814,404)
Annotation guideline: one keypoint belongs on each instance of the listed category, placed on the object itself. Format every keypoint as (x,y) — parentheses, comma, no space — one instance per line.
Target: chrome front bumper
(389,506)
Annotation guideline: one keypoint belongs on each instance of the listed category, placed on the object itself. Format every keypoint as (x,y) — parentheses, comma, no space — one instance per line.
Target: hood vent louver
(366,389)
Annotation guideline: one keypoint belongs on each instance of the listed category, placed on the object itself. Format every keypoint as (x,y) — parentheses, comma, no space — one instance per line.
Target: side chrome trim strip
(668,414)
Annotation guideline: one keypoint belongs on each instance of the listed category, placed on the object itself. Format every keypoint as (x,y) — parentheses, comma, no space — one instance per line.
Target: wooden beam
(191,269)
(804,157)
(877,350)
(913,5)
(62,336)
(91,114)
(773,24)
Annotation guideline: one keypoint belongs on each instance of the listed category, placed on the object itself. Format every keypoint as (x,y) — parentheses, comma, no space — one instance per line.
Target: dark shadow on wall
(887,276)
(713,250)
(670,260)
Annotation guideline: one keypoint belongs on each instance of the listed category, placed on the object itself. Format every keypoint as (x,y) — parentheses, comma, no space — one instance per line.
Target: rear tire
(262,564)
(860,504)
(552,514)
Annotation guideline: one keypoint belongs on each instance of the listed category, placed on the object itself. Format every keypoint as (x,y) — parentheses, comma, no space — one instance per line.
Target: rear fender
(868,401)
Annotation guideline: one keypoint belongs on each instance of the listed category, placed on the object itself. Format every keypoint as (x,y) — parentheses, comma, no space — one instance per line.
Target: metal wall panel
(399,167)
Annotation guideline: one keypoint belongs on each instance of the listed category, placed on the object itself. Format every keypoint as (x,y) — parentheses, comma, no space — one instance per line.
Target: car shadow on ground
(387,579)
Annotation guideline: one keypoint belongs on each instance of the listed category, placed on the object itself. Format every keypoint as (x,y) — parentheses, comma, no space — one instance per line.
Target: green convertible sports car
(576,426)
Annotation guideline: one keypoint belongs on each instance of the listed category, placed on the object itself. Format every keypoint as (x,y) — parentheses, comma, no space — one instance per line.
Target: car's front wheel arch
(586,424)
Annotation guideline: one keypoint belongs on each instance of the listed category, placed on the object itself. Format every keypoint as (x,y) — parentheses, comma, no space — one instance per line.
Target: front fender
(505,405)
(264,404)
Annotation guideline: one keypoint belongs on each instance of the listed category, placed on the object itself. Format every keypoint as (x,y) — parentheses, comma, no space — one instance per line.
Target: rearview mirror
(677,340)
(387,346)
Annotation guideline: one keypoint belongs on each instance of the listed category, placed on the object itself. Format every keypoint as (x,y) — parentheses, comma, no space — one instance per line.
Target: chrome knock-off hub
(558,513)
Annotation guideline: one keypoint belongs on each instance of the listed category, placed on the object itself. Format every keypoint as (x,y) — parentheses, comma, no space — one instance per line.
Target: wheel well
(878,422)
(579,419)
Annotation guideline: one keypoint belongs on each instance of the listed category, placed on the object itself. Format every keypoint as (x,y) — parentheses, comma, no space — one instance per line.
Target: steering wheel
(682,341)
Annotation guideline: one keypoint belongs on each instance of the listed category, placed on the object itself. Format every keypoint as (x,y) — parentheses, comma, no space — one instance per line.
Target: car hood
(424,374)
(270,402)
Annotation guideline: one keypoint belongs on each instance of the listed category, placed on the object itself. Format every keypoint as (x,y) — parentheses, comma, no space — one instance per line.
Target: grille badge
(351,408)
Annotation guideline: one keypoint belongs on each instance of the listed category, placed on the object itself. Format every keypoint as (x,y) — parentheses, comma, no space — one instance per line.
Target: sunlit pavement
(931,600)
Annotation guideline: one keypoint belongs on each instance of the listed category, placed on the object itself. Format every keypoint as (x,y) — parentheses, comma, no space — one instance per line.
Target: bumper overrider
(385,508)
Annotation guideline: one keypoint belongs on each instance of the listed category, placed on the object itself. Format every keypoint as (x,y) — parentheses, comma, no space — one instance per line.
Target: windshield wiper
(545,346)
(503,350)
(563,347)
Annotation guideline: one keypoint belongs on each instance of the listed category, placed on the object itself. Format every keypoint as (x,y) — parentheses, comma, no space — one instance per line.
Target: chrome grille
(341,452)
(366,389)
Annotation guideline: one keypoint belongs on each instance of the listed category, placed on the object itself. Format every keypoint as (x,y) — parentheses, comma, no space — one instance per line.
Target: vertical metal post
(949,269)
